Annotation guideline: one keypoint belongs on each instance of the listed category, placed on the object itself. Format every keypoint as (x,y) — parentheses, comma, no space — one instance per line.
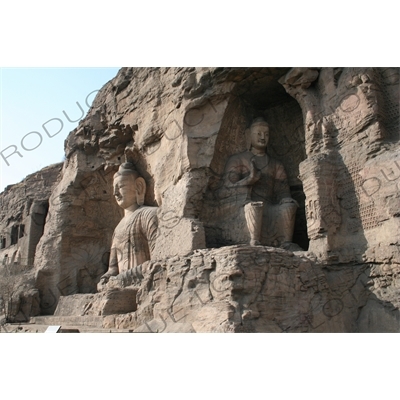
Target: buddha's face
(259,136)
(125,190)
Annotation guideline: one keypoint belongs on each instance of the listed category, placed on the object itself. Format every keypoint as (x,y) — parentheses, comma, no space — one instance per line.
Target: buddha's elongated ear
(140,185)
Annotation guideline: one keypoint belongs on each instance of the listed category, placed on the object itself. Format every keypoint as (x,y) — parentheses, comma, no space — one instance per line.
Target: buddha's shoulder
(244,155)
(147,211)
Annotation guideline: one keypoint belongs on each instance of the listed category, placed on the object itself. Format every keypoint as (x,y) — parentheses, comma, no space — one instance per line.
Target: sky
(29,99)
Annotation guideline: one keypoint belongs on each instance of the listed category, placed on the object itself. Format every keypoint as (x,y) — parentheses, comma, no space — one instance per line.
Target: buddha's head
(259,134)
(129,187)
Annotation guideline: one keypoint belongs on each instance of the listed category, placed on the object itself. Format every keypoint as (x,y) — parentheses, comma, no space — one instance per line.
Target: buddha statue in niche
(258,182)
(135,236)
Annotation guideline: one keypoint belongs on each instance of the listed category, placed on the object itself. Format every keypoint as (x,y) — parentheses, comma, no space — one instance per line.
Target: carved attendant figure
(269,209)
(134,237)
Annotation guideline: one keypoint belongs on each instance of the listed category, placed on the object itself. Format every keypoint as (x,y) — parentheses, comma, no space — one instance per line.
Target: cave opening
(261,95)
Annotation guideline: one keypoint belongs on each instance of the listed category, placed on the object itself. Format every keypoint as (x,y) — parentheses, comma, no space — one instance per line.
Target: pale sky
(30,97)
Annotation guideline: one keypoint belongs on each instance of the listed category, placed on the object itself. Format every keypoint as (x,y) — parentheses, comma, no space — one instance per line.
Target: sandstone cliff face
(173,124)
(336,131)
(230,289)
(24,208)
(351,172)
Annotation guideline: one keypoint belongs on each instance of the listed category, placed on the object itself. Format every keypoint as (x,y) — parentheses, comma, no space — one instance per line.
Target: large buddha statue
(259,183)
(134,237)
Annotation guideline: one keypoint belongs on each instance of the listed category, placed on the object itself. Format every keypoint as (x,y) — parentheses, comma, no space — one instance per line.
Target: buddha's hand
(255,174)
(105,278)
(107,281)
(101,286)
(116,282)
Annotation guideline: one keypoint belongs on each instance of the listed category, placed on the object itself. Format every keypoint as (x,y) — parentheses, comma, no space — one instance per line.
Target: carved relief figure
(263,186)
(134,237)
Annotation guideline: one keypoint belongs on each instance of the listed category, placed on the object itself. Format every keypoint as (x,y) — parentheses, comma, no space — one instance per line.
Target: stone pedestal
(231,289)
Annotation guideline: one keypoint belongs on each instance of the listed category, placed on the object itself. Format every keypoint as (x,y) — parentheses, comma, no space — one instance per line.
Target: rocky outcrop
(336,133)
(24,209)
(349,177)
(241,289)
(231,289)
(166,121)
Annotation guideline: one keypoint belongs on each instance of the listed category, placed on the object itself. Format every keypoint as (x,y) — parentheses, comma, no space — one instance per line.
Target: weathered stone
(334,131)
(24,209)
(238,289)
(135,236)
(114,301)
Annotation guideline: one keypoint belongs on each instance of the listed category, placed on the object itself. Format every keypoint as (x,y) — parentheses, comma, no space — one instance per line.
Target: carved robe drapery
(134,239)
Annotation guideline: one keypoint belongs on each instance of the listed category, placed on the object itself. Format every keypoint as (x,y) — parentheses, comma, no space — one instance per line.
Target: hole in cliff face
(38,213)
(14,234)
(44,211)
(21,231)
(258,95)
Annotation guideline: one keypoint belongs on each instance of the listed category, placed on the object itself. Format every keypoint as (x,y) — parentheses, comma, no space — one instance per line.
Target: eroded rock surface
(335,131)
(24,209)
(243,289)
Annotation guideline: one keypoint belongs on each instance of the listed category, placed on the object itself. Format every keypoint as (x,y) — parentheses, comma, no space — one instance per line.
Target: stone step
(39,328)
(87,329)
(78,321)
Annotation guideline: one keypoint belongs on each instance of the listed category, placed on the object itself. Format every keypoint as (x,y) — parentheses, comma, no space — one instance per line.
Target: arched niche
(259,95)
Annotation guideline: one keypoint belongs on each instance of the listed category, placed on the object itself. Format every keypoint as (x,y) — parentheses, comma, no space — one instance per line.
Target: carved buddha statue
(134,237)
(268,207)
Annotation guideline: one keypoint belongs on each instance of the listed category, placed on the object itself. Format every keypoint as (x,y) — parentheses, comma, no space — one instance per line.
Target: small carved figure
(269,209)
(134,237)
